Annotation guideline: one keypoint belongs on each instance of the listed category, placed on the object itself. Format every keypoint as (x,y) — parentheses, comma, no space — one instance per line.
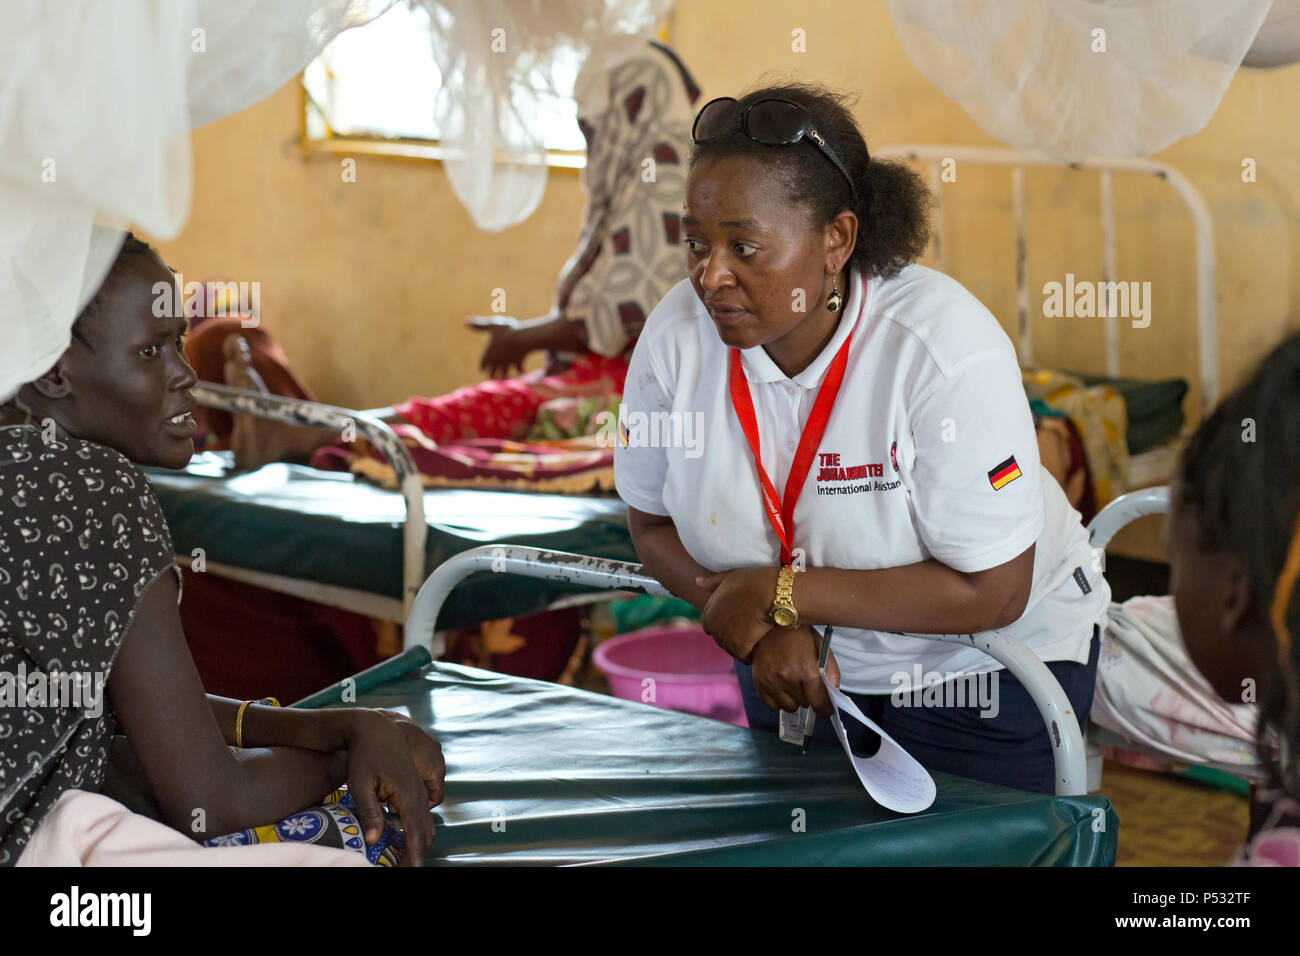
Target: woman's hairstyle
(893,202)
(131,246)
(1240,480)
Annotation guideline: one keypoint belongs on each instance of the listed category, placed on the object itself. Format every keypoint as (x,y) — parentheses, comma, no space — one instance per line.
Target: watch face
(784,617)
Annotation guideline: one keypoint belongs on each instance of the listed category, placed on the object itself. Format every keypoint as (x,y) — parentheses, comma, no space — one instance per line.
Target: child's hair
(131,246)
(1241,482)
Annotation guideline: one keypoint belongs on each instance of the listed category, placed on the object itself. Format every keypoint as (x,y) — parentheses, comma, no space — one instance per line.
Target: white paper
(893,777)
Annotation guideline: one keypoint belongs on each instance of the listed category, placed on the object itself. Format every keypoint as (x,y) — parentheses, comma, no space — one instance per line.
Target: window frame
(422,150)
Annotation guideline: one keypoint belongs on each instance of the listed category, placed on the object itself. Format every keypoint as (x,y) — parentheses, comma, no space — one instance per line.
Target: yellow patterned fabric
(1099,415)
(333,824)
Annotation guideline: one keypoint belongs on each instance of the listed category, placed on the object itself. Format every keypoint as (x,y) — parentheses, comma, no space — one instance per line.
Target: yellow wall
(853,46)
(366,283)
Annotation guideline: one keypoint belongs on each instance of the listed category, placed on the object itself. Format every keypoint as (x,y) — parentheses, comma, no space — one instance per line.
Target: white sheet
(1149,692)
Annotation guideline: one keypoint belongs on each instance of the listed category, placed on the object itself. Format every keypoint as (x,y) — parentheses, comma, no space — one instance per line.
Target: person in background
(635,113)
(1234,557)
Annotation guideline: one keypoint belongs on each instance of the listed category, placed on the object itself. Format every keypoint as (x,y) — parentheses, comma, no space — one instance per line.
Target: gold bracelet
(239,724)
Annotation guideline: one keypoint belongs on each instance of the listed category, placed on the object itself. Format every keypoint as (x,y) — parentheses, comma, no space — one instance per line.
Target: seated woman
(633,111)
(863,421)
(1234,556)
(89,587)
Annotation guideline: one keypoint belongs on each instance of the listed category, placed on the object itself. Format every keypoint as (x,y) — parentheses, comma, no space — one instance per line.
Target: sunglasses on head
(771,122)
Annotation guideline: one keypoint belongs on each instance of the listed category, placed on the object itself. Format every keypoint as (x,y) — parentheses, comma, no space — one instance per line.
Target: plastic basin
(678,668)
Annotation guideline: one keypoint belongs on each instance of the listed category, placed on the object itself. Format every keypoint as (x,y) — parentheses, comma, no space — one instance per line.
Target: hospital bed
(1156,430)
(1078,767)
(543,774)
(349,544)
(330,538)
(598,573)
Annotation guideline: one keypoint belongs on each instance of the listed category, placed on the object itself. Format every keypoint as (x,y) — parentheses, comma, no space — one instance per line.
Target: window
(373,88)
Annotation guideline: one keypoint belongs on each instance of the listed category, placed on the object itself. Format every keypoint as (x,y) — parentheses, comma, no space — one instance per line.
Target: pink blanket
(88,829)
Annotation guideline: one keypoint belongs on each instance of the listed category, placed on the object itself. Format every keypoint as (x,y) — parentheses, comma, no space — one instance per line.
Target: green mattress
(327,527)
(543,774)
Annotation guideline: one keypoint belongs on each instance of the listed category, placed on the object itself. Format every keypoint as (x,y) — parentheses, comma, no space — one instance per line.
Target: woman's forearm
(266,726)
(551,332)
(270,783)
(924,598)
(664,556)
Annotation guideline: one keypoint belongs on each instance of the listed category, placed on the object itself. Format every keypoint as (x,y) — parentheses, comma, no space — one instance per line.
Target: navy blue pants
(1011,749)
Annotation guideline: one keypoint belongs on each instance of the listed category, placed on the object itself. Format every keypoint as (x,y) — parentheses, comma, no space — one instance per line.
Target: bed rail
(314,414)
(600,573)
(933,155)
(1119,512)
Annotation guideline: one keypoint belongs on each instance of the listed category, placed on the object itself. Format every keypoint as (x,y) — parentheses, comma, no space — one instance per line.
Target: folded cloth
(333,824)
(89,829)
(1100,418)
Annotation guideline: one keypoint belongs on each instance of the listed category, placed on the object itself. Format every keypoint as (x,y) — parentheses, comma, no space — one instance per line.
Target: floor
(1167,821)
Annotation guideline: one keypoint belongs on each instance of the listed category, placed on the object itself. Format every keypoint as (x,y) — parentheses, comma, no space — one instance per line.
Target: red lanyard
(782,518)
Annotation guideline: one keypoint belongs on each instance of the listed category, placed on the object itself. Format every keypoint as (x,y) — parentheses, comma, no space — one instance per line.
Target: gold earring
(834,300)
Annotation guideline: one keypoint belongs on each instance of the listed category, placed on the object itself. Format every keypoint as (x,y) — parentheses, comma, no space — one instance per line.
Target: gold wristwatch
(782,612)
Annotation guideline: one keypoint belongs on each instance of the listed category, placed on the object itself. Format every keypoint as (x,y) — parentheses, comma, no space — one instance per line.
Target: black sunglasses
(771,122)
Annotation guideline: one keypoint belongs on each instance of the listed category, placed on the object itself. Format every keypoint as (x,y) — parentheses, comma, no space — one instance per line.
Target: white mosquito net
(1078,78)
(502,62)
(96,100)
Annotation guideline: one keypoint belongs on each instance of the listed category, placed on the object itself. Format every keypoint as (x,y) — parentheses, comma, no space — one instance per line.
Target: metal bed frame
(295,411)
(1069,751)
(415,531)
(1106,168)
(1053,705)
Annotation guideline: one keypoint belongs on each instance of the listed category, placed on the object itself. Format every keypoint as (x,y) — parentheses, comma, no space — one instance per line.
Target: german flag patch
(1004,474)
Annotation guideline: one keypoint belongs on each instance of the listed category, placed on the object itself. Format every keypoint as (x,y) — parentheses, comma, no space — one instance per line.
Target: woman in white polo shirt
(899,467)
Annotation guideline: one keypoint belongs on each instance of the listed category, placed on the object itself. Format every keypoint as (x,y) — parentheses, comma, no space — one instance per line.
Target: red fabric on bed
(507,408)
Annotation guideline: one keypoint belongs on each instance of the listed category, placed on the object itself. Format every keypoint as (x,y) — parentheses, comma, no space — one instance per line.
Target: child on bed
(89,586)
(1234,544)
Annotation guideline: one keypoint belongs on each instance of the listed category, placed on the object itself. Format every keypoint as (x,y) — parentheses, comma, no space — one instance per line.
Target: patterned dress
(81,540)
(629,254)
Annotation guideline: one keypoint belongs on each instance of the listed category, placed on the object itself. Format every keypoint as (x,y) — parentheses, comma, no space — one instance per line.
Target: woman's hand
(507,346)
(425,751)
(785,671)
(389,764)
(736,613)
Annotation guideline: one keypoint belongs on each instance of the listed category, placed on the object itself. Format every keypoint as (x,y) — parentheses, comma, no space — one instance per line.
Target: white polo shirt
(929,452)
